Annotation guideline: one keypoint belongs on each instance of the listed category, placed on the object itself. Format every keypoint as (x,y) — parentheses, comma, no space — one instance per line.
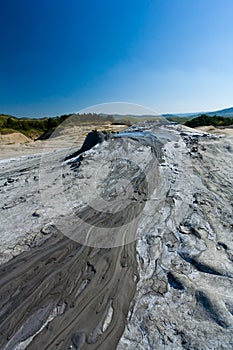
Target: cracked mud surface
(169,287)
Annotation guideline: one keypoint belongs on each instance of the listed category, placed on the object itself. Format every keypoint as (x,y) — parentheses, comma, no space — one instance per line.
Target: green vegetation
(30,127)
(35,128)
(205,120)
(44,127)
(130,120)
(180,120)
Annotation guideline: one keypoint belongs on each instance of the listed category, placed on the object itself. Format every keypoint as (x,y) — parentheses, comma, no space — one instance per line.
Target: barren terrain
(127,247)
(16,144)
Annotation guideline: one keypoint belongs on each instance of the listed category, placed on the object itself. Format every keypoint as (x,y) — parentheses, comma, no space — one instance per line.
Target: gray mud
(128,247)
(74,284)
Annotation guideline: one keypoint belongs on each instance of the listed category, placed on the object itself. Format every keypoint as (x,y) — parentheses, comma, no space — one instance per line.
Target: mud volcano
(124,244)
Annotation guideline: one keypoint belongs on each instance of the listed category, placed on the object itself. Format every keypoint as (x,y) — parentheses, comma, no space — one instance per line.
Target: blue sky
(60,56)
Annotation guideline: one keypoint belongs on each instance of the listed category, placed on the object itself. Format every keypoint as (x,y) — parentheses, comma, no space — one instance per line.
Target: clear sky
(59,56)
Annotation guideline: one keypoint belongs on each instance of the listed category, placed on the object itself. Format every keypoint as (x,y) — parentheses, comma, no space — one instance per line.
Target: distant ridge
(226,112)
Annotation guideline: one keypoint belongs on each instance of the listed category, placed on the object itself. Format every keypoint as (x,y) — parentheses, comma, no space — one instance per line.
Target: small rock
(37,213)
(47,229)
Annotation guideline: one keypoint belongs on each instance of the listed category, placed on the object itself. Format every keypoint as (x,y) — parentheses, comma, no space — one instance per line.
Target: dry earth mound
(15,137)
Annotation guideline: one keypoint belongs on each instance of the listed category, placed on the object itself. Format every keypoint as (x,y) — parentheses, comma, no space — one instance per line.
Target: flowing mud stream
(84,292)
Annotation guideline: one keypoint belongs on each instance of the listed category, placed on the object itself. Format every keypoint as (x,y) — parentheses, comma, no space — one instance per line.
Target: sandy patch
(15,137)
(16,144)
(216,131)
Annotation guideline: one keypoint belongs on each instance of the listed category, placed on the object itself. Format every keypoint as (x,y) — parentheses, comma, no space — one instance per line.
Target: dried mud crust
(171,288)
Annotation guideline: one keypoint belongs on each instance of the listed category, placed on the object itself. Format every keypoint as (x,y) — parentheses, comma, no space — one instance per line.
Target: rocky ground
(128,246)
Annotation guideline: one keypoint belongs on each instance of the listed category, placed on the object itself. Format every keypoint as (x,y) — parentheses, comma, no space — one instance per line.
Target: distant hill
(226,112)
(181,115)
(135,116)
(44,127)
(130,119)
